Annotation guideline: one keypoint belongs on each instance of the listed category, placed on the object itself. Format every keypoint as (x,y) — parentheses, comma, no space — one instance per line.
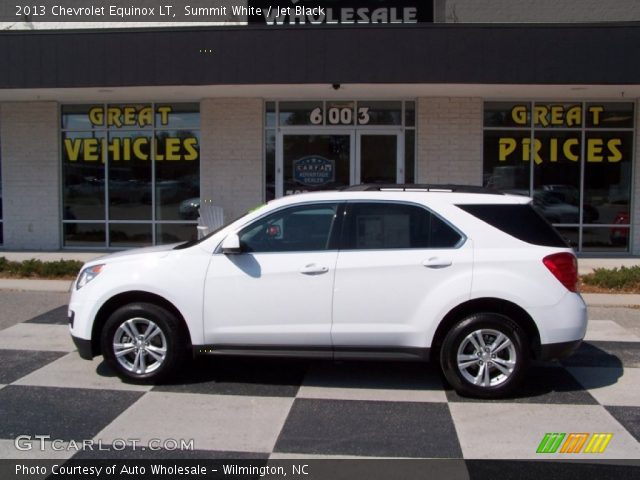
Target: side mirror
(231,244)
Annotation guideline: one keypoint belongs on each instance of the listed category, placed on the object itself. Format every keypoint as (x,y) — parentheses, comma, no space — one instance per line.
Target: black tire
(487,326)
(171,337)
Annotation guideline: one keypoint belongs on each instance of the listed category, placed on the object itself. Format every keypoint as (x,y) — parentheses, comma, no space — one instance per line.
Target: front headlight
(87,275)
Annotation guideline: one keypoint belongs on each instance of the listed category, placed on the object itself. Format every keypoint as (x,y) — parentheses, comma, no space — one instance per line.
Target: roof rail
(418,187)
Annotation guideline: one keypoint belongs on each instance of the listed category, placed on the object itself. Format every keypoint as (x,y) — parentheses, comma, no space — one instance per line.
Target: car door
(398,263)
(277,292)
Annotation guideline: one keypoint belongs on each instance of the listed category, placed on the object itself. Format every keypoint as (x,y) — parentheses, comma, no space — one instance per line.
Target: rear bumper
(564,322)
(553,351)
(85,349)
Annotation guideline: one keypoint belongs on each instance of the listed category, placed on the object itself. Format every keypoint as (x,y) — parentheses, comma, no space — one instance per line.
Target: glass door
(380,157)
(309,162)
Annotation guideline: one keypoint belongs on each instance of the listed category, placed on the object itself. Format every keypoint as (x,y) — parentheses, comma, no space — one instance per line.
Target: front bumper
(84,346)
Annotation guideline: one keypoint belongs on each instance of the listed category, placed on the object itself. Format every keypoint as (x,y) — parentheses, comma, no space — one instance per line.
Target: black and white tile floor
(243,408)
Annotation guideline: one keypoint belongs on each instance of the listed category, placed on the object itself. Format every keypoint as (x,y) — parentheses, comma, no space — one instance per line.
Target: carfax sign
(314,171)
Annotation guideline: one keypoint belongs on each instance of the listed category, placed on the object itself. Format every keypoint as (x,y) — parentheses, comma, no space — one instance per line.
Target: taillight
(565,268)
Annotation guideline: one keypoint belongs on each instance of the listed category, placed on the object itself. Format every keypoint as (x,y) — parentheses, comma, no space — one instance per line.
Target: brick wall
(30,175)
(449,145)
(231,153)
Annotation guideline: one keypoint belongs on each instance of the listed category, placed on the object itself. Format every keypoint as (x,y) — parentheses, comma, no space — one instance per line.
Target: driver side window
(295,229)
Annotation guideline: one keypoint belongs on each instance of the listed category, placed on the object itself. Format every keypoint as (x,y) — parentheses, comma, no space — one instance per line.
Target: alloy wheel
(486,357)
(140,346)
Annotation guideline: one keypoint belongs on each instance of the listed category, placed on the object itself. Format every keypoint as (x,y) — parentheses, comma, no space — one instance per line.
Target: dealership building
(110,138)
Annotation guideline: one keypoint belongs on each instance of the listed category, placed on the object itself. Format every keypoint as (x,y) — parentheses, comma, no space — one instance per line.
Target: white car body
(339,303)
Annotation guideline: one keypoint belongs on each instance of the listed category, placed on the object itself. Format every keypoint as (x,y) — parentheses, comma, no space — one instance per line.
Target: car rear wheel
(485,356)
(143,343)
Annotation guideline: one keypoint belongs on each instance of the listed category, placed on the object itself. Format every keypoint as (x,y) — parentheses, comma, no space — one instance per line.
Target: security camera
(336,86)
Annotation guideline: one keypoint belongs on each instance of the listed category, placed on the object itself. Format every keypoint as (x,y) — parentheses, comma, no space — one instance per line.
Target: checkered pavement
(275,408)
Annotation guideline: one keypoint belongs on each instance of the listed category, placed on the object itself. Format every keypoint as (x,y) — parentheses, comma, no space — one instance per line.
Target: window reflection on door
(378,158)
(315,162)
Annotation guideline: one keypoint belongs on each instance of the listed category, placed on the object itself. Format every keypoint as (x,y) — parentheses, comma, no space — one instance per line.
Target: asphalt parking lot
(270,409)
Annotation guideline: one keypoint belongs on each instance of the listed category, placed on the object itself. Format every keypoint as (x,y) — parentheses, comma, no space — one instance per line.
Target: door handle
(436,262)
(313,269)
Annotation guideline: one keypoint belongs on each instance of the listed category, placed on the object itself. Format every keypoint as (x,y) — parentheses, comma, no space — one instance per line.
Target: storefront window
(83,176)
(610,115)
(129,171)
(410,142)
(410,114)
(409,156)
(380,113)
(270,164)
(130,174)
(1,230)
(300,113)
(270,150)
(270,114)
(506,161)
(573,158)
(507,114)
(556,176)
(177,175)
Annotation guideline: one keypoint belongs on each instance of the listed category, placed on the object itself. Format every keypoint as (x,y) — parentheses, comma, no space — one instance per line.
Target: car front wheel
(485,356)
(143,343)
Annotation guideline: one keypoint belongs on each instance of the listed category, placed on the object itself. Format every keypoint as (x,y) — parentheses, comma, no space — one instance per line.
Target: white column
(31,185)
(449,146)
(232,137)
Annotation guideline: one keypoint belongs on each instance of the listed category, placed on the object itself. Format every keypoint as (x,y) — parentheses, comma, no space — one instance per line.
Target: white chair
(211,217)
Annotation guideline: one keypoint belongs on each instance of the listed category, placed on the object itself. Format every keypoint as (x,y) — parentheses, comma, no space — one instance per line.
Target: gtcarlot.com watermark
(45,442)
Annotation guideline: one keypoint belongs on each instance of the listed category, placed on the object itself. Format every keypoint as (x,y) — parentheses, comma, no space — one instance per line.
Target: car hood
(137,251)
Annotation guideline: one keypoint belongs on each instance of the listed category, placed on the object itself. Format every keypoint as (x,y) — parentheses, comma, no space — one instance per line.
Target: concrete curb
(611,300)
(51,256)
(35,285)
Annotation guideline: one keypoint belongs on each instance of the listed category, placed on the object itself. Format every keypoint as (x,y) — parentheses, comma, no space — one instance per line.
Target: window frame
(344,242)
(334,233)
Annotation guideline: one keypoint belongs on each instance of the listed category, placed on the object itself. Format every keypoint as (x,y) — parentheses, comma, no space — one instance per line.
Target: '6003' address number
(339,116)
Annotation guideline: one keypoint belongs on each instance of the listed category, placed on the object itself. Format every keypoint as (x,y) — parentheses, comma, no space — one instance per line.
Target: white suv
(474,279)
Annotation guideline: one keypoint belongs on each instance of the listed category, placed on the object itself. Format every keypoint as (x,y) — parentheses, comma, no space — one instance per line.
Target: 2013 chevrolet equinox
(476,280)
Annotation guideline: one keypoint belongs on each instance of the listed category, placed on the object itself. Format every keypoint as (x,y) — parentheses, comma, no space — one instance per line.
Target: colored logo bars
(574,442)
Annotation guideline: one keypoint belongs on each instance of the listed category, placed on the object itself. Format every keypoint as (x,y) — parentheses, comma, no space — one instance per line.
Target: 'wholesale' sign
(339,12)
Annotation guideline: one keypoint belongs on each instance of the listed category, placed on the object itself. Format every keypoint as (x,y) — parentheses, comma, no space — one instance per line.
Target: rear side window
(375,226)
(519,221)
